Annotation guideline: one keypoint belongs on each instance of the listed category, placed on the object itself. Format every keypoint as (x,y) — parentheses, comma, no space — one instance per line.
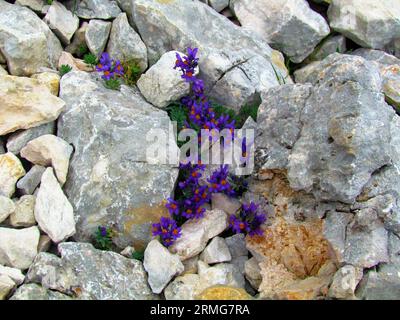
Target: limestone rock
(28,183)
(49,150)
(125,44)
(98,9)
(162,84)
(371,24)
(35,5)
(11,170)
(224,293)
(6,285)
(96,36)
(252,272)
(44,243)
(78,43)
(330,45)
(218,5)
(18,248)
(33,291)
(7,207)
(49,79)
(53,212)
(183,288)
(76,64)
(16,141)
(23,215)
(62,21)
(290,26)
(195,234)
(14,274)
(217,251)
(237,245)
(3,72)
(101,125)
(160,265)
(223,202)
(345,282)
(26,41)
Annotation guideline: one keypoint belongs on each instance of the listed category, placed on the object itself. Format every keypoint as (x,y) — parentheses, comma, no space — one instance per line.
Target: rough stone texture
(371,24)
(33,291)
(6,285)
(225,203)
(125,44)
(18,248)
(44,243)
(224,293)
(345,282)
(108,129)
(76,64)
(218,5)
(195,234)
(53,212)
(190,265)
(289,26)
(28,183)
(330,45)
(11,170)
(161,84)
(98,9)
(217,251)
(224,49)
(49,150)
(78,41)
(183,288)
(36,5)
(96,36)
(7,207)
(3,72)
(91,274)
(23,215)
(49,79)
(26,41)
(16,141)
(237,245)
(61,21)
(252,272)
(14,274)
(160,265)
(26,103)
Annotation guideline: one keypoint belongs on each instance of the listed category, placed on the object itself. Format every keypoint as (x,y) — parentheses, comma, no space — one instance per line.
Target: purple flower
(168,231)
(172,206)
(249,220)
(219,181)
(119,69)
(109,67)
(103,231)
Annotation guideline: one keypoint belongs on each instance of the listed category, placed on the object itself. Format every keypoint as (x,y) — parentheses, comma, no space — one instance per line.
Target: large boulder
(235,64)
(108,131)
(26,41)
(290,26)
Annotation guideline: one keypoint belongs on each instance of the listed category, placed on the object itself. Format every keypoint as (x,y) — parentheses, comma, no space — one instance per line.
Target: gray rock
(33,291)
(16,141)
(330,45)
(344,282)
(7,207)
(218,5)
(252,272)
(96,36)
(126,6)
(237,245)
(162,84)
(224,48)
(36,5)
(225,203)
(62,21)
(369,23)
(225,274)
(53,212)
(28,183)
(26,41)
(78,41)
(160,265)
(99,275)
(101,124)
(23,215)
(14,274)
(98,9)
(183,288)
(290,26)
(217,251)
(125,44)
(44,243)
(18,248)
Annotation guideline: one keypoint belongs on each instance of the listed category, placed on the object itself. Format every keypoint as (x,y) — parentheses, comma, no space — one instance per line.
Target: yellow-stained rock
(11,170)
(50,79)
(306,289)
(224,293)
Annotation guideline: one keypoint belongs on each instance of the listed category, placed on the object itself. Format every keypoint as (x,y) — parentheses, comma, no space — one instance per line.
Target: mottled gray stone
(36,5)
(98,9)
(161,265)
(26,41)
(125,44)
(18,140)
(330,45)
(216,251)
(344,282)
(96,36)
(237,245)
(108,130)
(7,207)
(61,21)
(78,41)
(370,23)
(290,26)
(23,215)
(218,5)
(28,183)
(99,275)
(15,274)
(223,48)
(225,203)
(252,272)
(33,291)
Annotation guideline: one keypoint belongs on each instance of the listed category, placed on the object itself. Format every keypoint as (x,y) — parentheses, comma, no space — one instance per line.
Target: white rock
(183,288)
(7,207)
(6,285)
(196,233)
(217,251)
(96,36)
(11,170)
(345,281)
(28,183)
(3,72)
(162,84)
(160,265)
(23,215)
(18,248)
(15,274)
(218,5)
(49,150)
(128,252)
(62,21)
(53,212)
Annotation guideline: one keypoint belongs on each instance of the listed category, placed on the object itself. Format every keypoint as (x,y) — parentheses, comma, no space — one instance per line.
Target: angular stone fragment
(14,274)
(23,215)
(6,285)
(11,170)
(28,183)
(217,251)
(7,207)
(33,291)
(345,282)
(98,9)
(96,36)
(49,79)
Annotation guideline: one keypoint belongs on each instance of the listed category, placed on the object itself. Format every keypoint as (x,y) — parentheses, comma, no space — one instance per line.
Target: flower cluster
(168,231)
(219,182)
(110,68)
(249,220)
